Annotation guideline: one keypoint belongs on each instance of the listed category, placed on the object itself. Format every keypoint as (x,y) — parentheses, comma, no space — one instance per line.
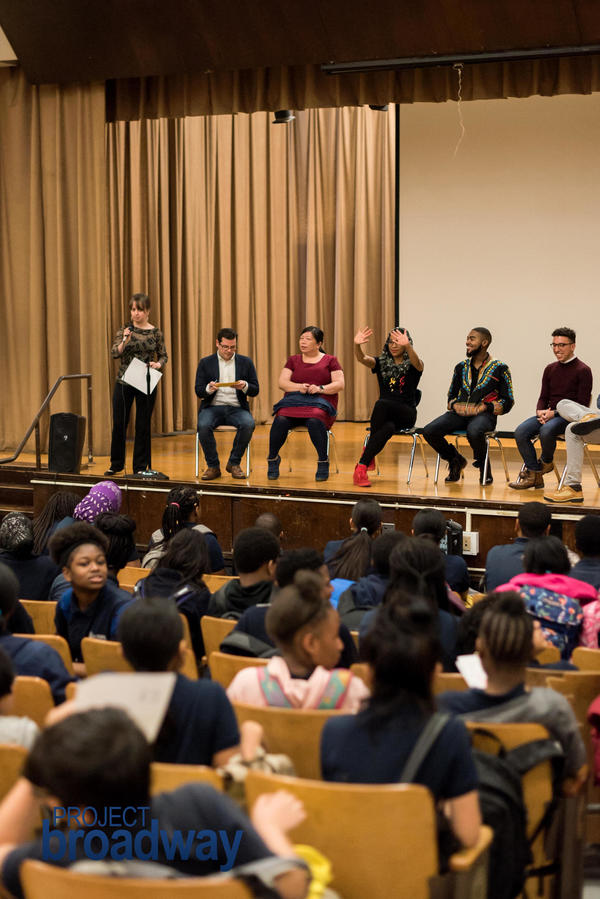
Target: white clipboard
(136,375)
(144,696)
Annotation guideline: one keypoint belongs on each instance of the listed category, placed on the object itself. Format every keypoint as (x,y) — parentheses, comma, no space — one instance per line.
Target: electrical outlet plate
(470,543)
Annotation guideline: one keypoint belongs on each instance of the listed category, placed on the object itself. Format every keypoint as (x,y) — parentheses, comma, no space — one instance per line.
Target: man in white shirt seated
(225,405)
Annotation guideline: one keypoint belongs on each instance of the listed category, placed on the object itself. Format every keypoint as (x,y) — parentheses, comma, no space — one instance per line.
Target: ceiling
(80,40)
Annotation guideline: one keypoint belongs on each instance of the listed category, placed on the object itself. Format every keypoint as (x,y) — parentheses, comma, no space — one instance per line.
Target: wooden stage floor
(175,456)
(314,512)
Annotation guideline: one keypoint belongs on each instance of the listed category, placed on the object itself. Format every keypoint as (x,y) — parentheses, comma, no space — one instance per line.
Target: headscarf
(104,496)
(16,533)
(392,371)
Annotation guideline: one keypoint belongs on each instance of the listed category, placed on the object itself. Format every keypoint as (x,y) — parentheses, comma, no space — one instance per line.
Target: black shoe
(455,467)
(586,425)
(110,472)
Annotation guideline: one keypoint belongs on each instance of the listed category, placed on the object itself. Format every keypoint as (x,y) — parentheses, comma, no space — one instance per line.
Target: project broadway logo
(73,832)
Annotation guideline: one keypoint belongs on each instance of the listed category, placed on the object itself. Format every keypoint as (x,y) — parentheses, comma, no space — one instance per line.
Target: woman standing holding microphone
(143,341)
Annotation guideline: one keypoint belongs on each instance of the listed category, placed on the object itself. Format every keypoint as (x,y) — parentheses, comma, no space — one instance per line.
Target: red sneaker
(360,476)
(371,465)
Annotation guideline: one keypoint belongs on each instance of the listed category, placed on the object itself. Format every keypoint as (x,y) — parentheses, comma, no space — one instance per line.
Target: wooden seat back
(215,581)
(380,839)
(32,698)
(59,644)
(41,881)
(586,659)
(130,575)
(166,777)
(445,680)
(214,631)
(295,732)
(224,667)
(103,655)
(537,783)
(42,614)
(12,759)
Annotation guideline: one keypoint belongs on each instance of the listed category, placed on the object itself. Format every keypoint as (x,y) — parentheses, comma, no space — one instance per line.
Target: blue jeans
(213,416)
(547,432)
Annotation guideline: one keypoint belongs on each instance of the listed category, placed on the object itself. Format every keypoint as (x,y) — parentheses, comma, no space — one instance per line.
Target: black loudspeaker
(65,443)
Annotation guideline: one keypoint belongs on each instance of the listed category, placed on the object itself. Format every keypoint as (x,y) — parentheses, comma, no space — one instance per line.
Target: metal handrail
(35,424)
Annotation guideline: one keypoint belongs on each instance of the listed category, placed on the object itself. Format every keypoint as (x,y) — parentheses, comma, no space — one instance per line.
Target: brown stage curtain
(304,87)
(232,221)
(53,311)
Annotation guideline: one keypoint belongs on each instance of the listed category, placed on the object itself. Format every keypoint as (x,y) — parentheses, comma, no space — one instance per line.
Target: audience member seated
(554,598)
(431,523)
(271,523)
(100,759)
(505,646)
(34,573)
(506,560)
(121,543)
(60,505)
(305,629)
(183,511)
(200,727)
(29,657)
(103,499)
(255,554)
(587,543)
(250,637)
(366,518)
(369,591)
(178,577)
(14,729)
(92,605)
(402,652)
(105,496)
(418,568)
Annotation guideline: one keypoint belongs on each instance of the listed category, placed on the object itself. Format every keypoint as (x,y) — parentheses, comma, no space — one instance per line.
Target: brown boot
(547,467)
(528,479)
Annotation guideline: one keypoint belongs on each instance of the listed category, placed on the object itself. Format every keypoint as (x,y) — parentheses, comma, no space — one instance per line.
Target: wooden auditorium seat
(214,631)
(41,881)
(32,697)
(130,575)
(223,666)
(295,732)
(166,776)
(59,644)
(12,759)
(379,838)
(42,614)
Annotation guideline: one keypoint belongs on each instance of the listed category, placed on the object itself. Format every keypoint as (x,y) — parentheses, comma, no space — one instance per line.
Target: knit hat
(103,497)
(16,533)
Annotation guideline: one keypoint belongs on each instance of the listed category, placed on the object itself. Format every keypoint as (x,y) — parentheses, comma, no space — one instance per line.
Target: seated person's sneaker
(587,424)
(568,493)
(360,477)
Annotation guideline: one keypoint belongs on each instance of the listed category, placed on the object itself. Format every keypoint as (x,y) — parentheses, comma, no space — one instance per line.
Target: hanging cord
(458,67)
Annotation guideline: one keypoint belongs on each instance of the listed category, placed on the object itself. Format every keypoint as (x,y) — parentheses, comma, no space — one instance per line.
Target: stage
(311,513)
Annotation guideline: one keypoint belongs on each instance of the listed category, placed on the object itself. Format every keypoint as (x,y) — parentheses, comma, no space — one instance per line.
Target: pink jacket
(315,692)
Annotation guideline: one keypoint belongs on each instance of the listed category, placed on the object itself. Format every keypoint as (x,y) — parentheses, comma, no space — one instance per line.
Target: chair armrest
(466,858)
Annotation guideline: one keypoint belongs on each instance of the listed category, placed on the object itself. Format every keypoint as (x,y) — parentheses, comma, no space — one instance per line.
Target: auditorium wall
(503,233)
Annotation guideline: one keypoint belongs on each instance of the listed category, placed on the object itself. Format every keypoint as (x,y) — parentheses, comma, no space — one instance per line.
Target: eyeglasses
(561,345)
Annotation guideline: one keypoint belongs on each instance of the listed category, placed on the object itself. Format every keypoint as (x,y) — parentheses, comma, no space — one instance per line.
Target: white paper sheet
(136,376)
(472,670)
(144,696)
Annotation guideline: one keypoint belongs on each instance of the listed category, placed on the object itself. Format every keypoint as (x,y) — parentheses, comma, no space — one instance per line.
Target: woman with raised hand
(398,369)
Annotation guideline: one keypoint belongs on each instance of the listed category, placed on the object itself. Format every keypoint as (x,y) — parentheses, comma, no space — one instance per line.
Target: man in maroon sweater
(567,378)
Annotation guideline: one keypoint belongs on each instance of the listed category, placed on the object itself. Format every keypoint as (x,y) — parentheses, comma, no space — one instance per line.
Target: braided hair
(60,505)
(181,502)
(507,629)
(418,568)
